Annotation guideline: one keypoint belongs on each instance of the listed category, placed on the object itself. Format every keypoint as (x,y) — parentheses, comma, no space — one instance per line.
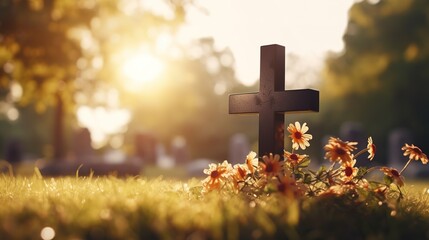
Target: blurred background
(148,81)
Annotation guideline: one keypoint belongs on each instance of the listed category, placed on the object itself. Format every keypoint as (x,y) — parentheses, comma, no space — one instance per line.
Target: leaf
(299,176)
(361,172)
(304,163)
(307,178)
(388,180)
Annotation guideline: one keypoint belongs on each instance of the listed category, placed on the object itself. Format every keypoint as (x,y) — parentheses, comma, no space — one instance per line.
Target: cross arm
(301,100)
(244,103)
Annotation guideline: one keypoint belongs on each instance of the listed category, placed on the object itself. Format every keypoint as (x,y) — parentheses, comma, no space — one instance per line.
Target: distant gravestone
(146,148)
(354,132)
(87,162)
(163,159)
(196,167)
(179,150)
(396,159)
(272,101)
(82,149)
(114,156)
(238,148)
(13,152)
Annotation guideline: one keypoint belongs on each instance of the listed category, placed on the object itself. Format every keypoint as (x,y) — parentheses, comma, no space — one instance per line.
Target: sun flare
(141,68)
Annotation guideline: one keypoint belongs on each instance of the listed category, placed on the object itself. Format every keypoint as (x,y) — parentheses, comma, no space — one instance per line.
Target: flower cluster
(290,175)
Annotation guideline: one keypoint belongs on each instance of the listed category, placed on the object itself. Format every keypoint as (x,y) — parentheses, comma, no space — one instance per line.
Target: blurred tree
(39,56)
(381,77)
(50,49)
(65,54)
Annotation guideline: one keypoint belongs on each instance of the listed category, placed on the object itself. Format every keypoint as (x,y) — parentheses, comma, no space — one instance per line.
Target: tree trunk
(58,128)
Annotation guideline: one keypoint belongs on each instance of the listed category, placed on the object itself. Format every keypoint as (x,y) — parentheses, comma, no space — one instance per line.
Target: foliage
(71,53)
(47,45)
(55,54)
(381,75)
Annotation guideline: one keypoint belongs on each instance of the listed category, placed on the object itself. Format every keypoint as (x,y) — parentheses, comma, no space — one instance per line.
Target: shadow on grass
(337,219)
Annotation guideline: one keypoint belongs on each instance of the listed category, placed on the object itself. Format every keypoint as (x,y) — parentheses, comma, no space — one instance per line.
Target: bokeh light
(47,233)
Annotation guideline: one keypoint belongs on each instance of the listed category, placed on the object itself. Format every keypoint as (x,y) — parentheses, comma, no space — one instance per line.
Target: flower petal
(298,126)
(304,128)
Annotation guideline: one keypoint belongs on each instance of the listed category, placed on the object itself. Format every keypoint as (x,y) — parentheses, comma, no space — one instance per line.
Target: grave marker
(82,149)
(272,101)
(13,153)
(239,147)
(145,144)
(179,150)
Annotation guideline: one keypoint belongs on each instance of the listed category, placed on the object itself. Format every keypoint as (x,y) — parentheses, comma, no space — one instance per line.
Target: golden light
(141,69)
(104,123)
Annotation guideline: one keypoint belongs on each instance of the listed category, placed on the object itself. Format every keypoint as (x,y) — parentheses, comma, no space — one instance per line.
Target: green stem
(361,152)
(406,165)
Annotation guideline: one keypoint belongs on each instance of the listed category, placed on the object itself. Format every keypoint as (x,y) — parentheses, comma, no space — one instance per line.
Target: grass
(139,208)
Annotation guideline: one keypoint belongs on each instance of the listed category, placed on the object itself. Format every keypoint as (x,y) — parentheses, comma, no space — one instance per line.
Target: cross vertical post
(272,101)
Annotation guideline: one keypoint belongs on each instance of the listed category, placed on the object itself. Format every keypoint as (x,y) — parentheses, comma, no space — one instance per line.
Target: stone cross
(272,101)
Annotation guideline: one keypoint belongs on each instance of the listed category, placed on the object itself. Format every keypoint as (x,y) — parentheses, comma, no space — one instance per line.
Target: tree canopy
(381,77)
(57,56)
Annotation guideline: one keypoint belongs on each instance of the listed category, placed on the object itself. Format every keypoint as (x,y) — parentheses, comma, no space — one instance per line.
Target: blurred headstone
(112,162)
(82,149)
(238,148)
(114,156)
(354,132)
(196,168)
(179,150)
(146,148)
(13,153)
(163,160)
(96,168)
(396,159)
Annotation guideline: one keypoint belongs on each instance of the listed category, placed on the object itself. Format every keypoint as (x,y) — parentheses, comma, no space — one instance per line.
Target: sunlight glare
(141,69)
(103,123)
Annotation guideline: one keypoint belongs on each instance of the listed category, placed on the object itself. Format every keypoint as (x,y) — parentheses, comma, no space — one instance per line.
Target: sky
(307,28)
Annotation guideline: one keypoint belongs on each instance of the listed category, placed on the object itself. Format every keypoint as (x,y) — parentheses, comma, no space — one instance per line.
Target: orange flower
(217,174)
(299,136)
(371,149)
(239,174)
(414,153)
(293,159)
(348,170)
(337,150)
(394,174)
(252,162)
(290,188)
(271,165)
